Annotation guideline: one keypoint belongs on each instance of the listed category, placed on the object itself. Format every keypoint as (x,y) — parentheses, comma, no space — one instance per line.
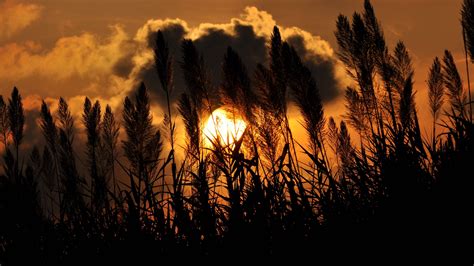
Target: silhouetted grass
(267,193)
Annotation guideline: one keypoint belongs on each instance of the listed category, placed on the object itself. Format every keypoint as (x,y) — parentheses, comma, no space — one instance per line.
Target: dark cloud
(245,42)
(212,42)
(174,34)
(322,67)
(123,67)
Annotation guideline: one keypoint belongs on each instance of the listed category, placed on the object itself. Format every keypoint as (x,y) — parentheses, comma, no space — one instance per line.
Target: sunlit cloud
(15,16)
(86,56)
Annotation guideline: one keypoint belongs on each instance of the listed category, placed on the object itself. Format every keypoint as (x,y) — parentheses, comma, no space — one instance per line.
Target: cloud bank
(110,67)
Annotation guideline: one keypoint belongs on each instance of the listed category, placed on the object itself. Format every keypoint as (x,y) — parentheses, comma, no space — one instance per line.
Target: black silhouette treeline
(267,193)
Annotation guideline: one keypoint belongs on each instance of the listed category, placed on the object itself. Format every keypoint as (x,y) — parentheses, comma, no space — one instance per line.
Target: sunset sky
(101,49)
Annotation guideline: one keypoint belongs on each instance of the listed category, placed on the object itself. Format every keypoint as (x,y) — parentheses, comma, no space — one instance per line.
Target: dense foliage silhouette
(374,176)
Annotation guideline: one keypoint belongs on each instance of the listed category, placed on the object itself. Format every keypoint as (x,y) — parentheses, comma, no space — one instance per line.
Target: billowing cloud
(110,67)
(84,55)
(85,59)
(15,17)
(248,35)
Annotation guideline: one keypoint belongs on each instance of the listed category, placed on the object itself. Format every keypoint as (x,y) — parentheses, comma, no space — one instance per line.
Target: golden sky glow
(45,34)
(101,49)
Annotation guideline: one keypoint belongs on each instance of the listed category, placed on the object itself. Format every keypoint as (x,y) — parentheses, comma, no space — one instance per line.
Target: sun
(223,127)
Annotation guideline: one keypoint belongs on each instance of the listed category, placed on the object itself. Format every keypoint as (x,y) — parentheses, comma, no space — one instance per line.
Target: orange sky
(72,48)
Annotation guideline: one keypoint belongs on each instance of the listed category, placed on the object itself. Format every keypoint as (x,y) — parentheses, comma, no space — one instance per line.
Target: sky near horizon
(101,49)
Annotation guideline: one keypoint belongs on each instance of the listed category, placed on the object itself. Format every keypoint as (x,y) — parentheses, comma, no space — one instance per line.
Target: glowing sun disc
(224,127)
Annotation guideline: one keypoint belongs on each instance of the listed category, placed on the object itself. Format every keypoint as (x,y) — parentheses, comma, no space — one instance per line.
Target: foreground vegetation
(384,183)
